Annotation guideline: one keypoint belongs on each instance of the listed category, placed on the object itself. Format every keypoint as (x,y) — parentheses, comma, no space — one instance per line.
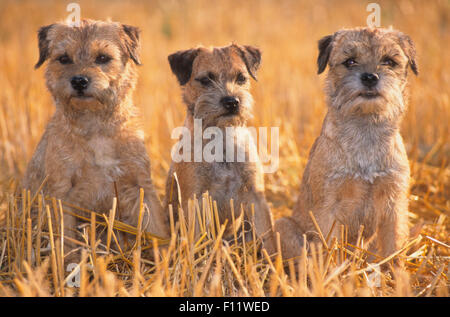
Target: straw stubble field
(288,95)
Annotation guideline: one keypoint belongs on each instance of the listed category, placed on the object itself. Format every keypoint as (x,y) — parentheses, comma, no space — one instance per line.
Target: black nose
(369,80)
(230,103)
(79,82)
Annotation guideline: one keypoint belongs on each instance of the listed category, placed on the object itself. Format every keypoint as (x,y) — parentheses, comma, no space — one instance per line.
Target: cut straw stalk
(318,229)
(83,274)
(252,210)
(199,216)
(39,231)
(23,228)
(56,215)
(29,238)
(8,233)
(37,195)
(112,216)
(139,224)
(92,238)
(190,222)
(53,253)
(61,250)
(233,219)
(60,267)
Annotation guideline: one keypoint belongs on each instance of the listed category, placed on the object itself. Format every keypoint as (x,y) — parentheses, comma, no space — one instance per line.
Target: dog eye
(102,59)
(241,79)
(64,59)
(205,81)
(349,62)
(388,62)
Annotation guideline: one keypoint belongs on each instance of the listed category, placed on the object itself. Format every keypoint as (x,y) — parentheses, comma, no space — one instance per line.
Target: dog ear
(181,64)
(325,46)
(409,48)
(251,56)
(43,44)
(131,41)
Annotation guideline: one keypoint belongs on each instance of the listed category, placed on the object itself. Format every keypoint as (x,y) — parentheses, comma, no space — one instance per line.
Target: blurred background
(288,94)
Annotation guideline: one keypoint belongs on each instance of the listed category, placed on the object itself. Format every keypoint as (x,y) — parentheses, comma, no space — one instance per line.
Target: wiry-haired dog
(92,146)
(216,83)
(358,171)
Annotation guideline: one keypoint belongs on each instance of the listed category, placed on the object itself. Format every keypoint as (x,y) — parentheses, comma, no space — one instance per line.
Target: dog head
(367,70)
(216,82)
(91,66)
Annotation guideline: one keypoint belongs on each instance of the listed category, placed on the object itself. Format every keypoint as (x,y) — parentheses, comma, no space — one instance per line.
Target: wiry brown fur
(241,181)
(94,141)
(358,171)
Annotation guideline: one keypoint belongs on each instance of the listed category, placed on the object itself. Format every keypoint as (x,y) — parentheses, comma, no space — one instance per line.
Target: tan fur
(241,181)
(358,171)
(94,141)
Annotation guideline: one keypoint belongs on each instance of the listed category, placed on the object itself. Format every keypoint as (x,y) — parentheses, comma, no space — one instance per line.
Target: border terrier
(92,145)
(216,83)
(358,172)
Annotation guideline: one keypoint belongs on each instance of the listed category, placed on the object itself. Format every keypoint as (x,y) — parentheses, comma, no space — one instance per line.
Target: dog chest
(105,157)
(369,152)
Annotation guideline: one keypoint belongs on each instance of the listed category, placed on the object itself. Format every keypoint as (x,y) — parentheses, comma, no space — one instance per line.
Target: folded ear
(43,44)
(325,47)
(409,48)
(181,64)
(131,42)
(251,56)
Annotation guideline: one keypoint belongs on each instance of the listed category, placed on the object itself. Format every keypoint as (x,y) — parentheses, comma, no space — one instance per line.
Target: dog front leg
(261,218)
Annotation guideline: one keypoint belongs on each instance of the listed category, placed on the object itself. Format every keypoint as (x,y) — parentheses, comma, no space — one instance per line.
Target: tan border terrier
(92,145)
(358,171)
(216,83)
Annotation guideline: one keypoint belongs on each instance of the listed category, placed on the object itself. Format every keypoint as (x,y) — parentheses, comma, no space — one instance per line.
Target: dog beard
(385,101)
(212,113)
(86,103)
(101,101)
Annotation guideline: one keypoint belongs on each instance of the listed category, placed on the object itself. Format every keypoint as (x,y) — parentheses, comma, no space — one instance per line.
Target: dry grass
(288,95)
